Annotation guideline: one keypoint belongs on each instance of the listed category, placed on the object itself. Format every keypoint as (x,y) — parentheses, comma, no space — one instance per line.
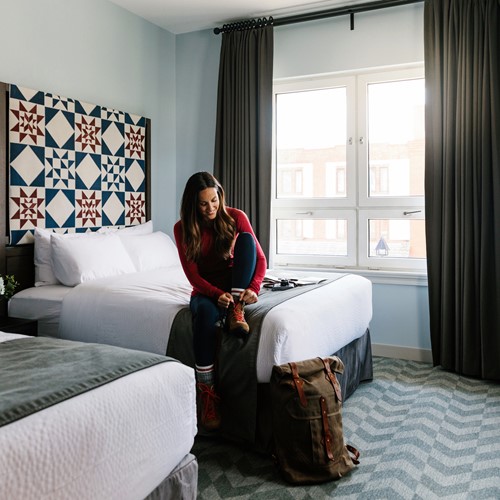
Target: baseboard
(399,352)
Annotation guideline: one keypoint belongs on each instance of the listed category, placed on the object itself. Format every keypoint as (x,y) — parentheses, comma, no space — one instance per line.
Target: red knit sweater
(211,275)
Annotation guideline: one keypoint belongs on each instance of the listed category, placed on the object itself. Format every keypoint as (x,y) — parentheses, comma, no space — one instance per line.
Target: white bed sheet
(118,441)
(42,303)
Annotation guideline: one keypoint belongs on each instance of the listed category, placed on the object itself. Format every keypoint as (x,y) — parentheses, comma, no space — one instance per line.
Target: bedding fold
(40,372)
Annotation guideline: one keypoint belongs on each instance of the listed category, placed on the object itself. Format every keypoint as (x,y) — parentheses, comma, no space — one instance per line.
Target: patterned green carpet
(423,433)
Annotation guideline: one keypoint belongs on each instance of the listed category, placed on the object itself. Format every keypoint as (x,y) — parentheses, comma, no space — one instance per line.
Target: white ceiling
(182,16)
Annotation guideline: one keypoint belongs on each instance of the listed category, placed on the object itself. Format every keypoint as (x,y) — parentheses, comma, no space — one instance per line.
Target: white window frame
(362,98)
(318,83)
(357,208)
(389,263)
(312,213)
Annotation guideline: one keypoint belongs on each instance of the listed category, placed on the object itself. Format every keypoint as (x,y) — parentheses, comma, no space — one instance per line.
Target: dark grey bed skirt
(182,482)
(358,367)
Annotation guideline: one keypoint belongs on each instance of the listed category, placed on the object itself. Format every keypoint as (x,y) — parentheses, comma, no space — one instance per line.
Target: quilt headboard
(69,166)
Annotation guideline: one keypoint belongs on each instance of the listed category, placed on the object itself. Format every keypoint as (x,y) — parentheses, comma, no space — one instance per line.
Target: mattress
(118,441)
(42,303)
(137,310)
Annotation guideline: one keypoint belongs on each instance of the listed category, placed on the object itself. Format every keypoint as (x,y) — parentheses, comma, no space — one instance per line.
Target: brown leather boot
(236,319)
(208,407)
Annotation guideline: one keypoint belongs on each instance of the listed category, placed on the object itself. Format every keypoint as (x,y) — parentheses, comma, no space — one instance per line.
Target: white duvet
(118,441)
(137,311)
(130,310)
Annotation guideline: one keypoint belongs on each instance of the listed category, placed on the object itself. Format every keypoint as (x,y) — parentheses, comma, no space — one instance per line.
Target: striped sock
(236,293)
(205,374)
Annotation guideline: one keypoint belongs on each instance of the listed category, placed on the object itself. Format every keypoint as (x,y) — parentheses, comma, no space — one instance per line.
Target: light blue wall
(381,37)
(401,316)
(97,52)
(197,74)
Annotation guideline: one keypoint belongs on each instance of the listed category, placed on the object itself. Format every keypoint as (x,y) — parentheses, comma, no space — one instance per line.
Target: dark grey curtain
(243,139)
(462,57)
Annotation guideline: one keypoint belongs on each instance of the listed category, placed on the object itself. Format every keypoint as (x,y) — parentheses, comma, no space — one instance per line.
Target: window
(348,171)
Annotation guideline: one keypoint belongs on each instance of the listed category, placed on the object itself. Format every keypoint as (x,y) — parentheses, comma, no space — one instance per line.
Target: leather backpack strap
(327,437)
(298,384)
(333,379)
(354,452)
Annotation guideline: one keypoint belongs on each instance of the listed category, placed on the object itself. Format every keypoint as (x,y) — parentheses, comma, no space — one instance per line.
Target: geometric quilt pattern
(73,166)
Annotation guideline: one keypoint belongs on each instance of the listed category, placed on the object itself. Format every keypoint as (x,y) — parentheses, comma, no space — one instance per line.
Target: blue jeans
(205,310)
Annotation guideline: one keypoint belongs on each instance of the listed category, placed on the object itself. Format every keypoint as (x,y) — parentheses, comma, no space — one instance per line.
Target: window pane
(396,138)
(311,144)
(311,237)
(397,238)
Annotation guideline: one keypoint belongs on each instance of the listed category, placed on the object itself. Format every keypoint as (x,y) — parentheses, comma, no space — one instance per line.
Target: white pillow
(151,251)
(44,274)
(146,228)
(43,262)
(76,260)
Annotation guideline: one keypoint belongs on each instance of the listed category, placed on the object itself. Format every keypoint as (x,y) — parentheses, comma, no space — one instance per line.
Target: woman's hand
(249,296)
(225,300)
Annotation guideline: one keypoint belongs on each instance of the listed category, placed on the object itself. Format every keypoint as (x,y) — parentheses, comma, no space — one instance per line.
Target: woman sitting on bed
(225,264)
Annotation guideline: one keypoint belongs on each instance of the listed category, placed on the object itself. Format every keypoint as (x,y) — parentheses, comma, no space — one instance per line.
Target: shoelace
(209,398)
(238,312)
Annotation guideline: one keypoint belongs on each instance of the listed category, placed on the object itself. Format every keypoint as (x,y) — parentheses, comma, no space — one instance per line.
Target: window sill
(379,277)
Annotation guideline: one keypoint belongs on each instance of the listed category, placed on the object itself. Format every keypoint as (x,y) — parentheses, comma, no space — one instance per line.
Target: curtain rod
(312,16)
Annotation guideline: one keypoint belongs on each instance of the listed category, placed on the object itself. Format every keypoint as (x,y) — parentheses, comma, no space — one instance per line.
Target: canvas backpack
(307,421)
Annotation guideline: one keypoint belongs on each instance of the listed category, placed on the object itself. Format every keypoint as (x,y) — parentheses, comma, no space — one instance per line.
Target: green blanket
(38,372)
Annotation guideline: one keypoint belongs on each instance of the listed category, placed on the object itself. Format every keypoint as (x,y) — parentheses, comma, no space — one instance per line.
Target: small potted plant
(8,285)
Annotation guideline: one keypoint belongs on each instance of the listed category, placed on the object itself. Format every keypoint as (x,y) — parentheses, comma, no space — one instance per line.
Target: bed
(101,437)
(137,311)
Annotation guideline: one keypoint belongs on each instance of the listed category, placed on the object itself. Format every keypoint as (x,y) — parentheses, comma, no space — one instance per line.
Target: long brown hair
(224,225)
